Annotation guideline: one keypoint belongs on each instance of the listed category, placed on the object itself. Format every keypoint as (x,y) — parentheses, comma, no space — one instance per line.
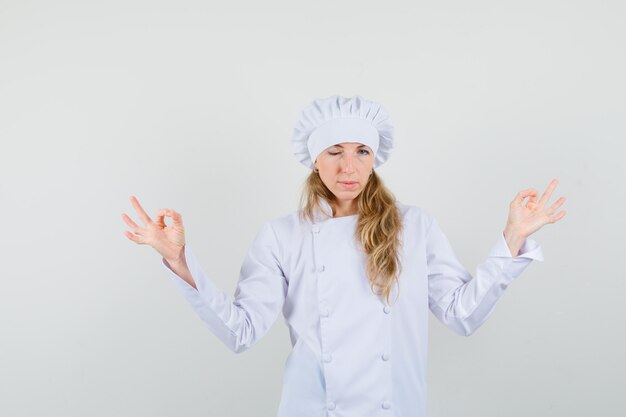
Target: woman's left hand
(525,220)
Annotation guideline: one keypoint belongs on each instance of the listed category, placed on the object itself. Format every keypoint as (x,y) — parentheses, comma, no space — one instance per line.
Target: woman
(354,272)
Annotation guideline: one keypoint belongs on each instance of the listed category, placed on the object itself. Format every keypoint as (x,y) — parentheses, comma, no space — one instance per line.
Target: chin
(352,193)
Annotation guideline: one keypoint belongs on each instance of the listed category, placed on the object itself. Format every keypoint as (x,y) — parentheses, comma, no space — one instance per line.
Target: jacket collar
(325,208)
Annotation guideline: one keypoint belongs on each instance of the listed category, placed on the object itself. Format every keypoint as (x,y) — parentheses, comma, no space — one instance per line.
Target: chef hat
(335,119)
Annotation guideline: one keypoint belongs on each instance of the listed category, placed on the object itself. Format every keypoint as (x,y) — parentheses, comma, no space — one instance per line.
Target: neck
(344,208)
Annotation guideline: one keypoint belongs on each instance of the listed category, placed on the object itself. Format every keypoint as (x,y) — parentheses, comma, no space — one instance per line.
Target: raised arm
(238,321)
(241,320)
(463,302)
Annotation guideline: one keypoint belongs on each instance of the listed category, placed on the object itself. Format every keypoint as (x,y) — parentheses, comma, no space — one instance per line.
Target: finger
(177,218)
(160,216)
(558,216)
(136,229)
(143,216)
(129,221)
(558,203)
(531,203)
(134,238)
(546,195)
(522,195)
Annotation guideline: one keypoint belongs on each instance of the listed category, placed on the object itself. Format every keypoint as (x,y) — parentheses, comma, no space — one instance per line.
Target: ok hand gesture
(169,241)
(525,220)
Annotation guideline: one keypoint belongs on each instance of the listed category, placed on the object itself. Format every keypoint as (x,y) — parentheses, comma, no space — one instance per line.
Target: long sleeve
(460,301)
(239,321)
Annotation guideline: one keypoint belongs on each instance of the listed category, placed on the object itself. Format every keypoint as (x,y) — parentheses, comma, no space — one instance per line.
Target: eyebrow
(339,146)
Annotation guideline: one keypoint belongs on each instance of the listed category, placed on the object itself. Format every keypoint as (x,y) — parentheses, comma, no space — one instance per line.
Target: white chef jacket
(353,354)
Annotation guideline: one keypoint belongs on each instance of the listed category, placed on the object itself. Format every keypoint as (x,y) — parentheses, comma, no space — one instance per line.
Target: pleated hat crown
(336,119)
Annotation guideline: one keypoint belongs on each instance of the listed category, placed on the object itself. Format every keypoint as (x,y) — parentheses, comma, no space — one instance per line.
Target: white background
(190,105)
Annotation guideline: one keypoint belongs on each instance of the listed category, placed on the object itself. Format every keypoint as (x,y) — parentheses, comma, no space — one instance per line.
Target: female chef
(353,271)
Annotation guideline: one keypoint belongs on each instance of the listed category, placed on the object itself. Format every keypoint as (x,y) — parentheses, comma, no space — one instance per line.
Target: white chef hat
(335,119)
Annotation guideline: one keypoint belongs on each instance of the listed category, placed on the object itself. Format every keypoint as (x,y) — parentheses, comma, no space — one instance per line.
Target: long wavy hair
(378,229)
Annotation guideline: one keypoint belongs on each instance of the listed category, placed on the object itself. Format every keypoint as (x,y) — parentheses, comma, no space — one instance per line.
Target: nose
(346,160)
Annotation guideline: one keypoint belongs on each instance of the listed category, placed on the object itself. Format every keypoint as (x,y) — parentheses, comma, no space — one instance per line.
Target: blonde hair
(378,229)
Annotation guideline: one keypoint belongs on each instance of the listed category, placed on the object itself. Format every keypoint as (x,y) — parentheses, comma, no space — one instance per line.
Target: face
(345,169)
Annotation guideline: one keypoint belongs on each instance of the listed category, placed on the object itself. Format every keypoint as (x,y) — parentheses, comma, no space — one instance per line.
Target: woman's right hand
(169,241)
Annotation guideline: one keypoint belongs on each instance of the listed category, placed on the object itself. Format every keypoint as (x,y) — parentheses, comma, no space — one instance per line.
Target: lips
(348,185)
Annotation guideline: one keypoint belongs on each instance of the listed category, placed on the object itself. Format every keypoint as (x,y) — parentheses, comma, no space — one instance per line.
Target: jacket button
(331,405)
(327,357)
(320,268)
(325,312)
(386,309)
(386,356)
(386,405)
(315,229)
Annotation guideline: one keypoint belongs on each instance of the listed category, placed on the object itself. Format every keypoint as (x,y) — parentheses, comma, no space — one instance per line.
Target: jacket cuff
(530,249)
(206,289)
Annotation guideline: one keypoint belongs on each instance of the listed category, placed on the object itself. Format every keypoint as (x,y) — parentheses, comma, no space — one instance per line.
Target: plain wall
(191,104)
